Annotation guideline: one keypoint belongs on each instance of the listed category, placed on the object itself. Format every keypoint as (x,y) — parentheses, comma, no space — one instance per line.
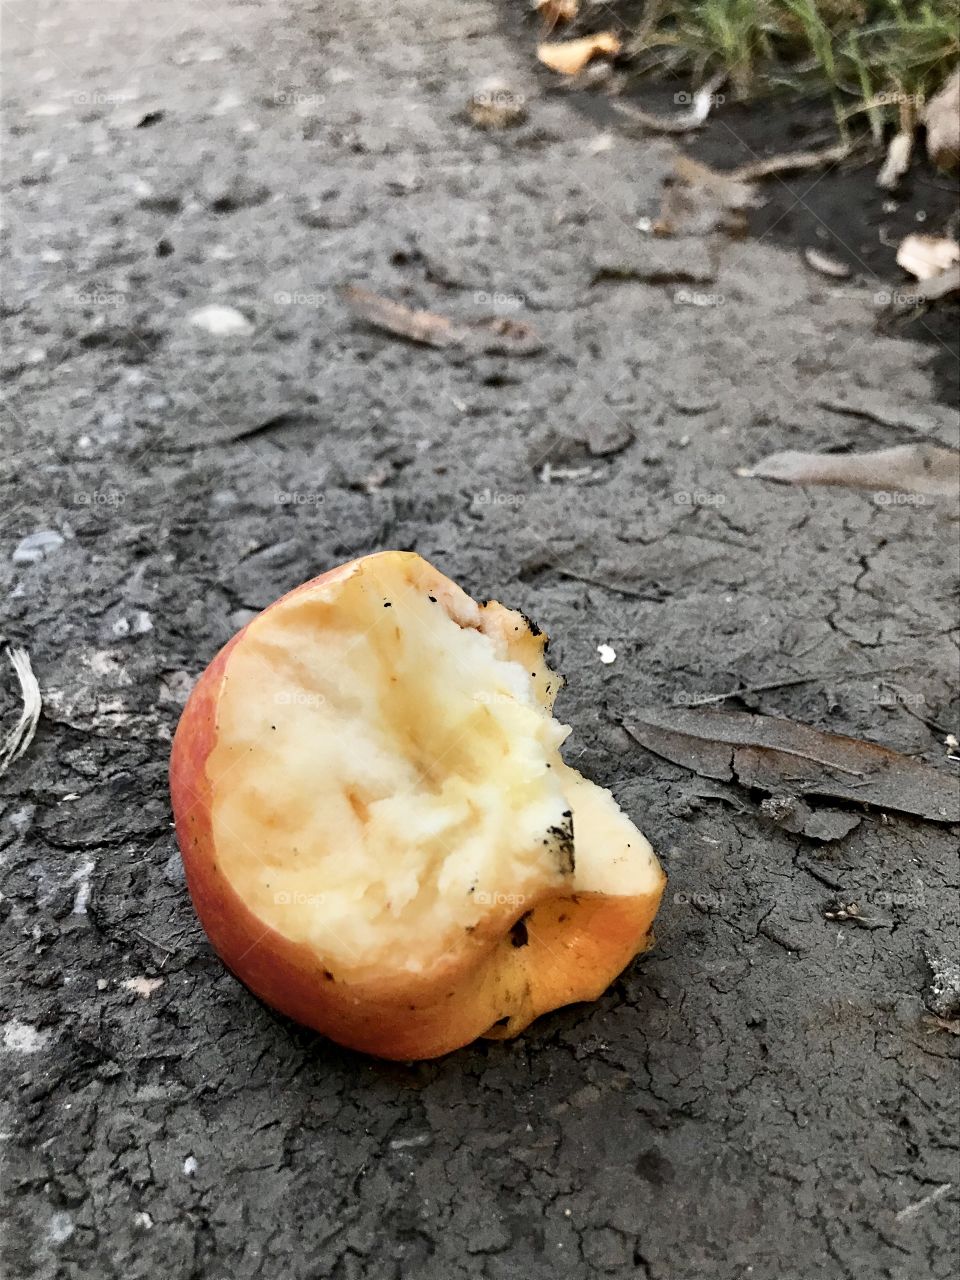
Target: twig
(684,121)
(15,743)
(792,162)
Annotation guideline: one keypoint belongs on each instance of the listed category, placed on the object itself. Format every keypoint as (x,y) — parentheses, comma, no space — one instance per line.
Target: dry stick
(685,121)
(792,162)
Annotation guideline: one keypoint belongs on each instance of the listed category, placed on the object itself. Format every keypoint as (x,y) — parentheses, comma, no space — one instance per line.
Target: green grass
(878,58)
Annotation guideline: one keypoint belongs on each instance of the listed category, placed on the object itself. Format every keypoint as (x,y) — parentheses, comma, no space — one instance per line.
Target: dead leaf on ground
(796,816)
(782,757)
(826,265)
(553,12)
(494,335)
(698,200)
(569,57)
(942,118)
(927,256)
(908,468)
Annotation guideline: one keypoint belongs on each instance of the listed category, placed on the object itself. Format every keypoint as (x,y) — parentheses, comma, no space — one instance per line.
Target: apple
(380,836)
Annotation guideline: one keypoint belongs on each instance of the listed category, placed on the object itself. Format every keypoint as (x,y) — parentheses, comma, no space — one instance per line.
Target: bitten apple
(380,836)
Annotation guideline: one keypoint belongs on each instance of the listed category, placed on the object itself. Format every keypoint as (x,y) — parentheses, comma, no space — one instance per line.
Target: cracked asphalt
(766,1094)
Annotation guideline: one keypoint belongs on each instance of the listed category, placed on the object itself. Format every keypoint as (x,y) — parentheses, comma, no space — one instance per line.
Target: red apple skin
(575,944)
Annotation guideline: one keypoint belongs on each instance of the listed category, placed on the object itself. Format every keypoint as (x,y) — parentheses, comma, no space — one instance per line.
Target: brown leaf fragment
(698,200)
(570,56)
(795,815)
(553,12)
(782,757)
(942,118)
(906,468)
(495,335)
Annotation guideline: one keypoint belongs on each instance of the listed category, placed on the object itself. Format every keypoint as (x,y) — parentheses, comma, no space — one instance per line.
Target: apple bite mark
(380,834)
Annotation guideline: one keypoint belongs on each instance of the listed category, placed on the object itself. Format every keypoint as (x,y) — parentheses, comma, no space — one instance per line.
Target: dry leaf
(942,118)
(911,468)
(927,256)
(553,12)
(571,56)
(782,757)
(826,265)
(494,335)
(699,200)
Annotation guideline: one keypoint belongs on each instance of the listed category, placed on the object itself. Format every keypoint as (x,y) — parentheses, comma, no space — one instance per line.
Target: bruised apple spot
(371,779)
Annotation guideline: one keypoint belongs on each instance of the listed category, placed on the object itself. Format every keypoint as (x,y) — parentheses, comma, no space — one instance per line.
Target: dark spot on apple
(501,1022)
(387,604)
(433,599)
(328,975)
(518,932)
(531,625)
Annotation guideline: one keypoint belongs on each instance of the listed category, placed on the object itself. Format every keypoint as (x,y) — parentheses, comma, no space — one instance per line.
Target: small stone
(37,546)
(607,653)
(222,322)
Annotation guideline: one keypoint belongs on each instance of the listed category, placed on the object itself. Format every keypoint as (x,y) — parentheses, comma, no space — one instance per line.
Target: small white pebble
(143,1221)
(20,1037)
(607,654)
(644,224)
(60,1228)
(102,984)
(142,986)
(222,322)
(190,1166)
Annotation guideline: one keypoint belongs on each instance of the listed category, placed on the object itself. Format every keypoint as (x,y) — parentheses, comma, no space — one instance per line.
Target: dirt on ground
(770,1092)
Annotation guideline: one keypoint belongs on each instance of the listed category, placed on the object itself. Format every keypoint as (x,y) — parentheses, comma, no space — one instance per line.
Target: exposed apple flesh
(379,832)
